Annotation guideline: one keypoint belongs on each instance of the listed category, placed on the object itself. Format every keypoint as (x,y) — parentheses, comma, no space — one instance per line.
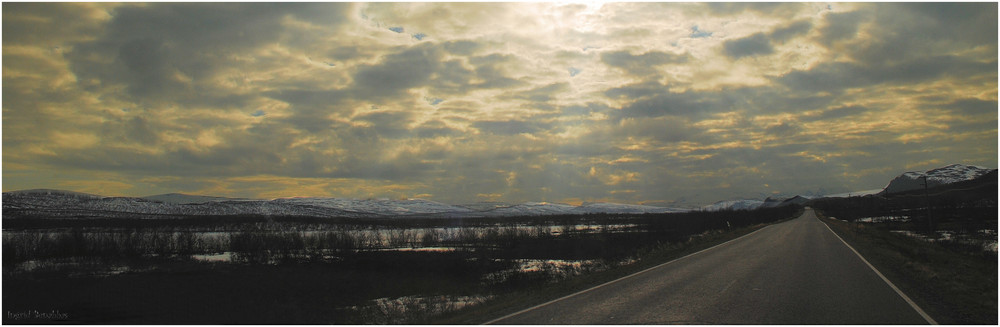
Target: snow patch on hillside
(178,198)
(733,205)
(850,194)
(378,206)
(935,177)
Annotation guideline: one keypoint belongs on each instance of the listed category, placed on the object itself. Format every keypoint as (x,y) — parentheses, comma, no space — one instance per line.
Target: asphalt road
(796,272)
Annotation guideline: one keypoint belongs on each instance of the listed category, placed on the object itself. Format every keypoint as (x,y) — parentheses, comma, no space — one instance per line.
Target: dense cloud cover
(663,104)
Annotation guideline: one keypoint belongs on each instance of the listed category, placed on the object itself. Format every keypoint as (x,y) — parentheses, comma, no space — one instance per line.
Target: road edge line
(621,278)
(886,280)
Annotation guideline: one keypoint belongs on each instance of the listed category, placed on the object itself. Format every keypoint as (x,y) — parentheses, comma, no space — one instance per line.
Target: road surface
(796,272)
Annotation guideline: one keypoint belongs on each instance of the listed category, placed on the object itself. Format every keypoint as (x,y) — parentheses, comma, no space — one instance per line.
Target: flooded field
(961,234)
(883,219)
(330,243)
(315,271)
(986,239)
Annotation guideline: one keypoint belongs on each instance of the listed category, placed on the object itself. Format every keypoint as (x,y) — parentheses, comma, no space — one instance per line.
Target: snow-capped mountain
(733,205)
(55,203)
(384,207)
(855,193)
(606,207)
(531,209)
(939,176)
(546,208)
(486,205)
(905,182)
(60,194)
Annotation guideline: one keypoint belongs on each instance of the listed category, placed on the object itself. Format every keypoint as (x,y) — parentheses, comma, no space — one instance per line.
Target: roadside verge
(951,287)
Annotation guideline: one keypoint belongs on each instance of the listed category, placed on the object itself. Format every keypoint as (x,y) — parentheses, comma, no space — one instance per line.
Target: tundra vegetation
(292,270)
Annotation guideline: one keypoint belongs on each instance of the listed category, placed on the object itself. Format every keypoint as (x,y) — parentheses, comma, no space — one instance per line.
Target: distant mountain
(486,205)
(43,192)
(605,207)
(546,208)
(56,203)
(178,198)
(798,199)
(51,203)
(531,209)
(935,177)
(733,205)
(855,193)
(770,202)
(382,207)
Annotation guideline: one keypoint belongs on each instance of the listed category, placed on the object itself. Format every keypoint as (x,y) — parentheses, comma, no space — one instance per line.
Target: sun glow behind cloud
(658,103)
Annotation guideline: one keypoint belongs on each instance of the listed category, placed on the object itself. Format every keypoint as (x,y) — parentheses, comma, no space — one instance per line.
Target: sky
(671,104)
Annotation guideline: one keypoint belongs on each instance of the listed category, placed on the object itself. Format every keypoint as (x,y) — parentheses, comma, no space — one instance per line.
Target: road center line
(886,280)
(728,286)
(622,278)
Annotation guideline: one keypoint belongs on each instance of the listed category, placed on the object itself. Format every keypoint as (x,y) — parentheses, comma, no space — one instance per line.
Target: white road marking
(886,280)
(728,286)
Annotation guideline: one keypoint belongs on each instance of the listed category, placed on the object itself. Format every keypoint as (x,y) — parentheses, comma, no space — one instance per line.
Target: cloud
(626,102)
(697,33)
(841,26)
(906,33)
(397,72)
(668,103)
(461,47)
(543,93)
(763,43)
(753,45)
(587,109)
(641,64)
(783,129)
(836,113)
(660,129)
(51,24)
(766,8)
(177,52)
(511,127)
(973,107)
(453,78)
(636,90)
(313,110)
(490,70)
(435,128)
(838,76)
(390,124)
(136,129)
(783,34)
(651,99)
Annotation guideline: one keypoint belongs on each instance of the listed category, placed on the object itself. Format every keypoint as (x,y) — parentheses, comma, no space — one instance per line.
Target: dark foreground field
(262,270)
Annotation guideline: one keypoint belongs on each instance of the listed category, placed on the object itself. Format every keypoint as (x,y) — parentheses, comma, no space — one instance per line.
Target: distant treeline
(236,223)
